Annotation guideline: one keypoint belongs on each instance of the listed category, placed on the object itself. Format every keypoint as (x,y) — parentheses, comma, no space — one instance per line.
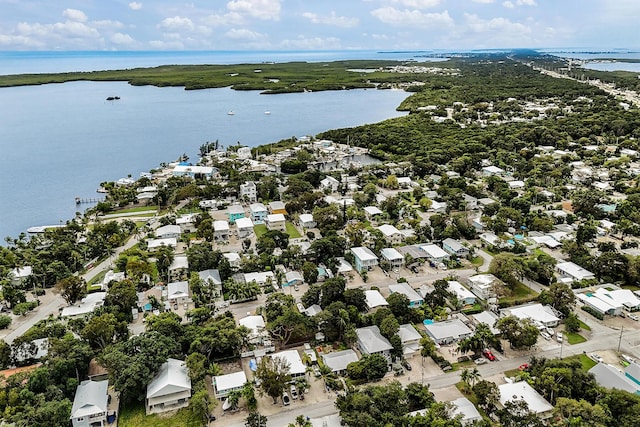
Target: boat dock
(42,228)
(80,200)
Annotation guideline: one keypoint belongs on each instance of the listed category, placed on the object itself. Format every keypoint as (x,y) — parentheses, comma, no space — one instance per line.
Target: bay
(60,141)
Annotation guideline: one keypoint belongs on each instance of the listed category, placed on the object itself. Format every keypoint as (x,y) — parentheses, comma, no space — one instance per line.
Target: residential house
(235,212)
(90,404)
(330,183)
(454,247)
(211,278)
(490,239)
(573,271)
(374,299)
(392,235)
(338,361)
(463,295)
(168,231)
(87,305)
(466,410)
(492,170)
(179,268)
(415,299)
(193,171)
(483,285)
(410,338)
(248,191)
(471,203)
(225,384)
(609,376)
(438,207)
(306,221)
(260,277)
(537,313)
(178,292)
(187,223)
(604,306)
(516,185)
(256,325)
(245,227)
(155,244)
(371,212)
(364,258)
(448,331)
(20,274)
(293,278)
(244,153)
(277,207)
(296,367)
(170,389)
(435,254)
(406,182)
(258,212)
(371,341)
(220,230)
(489,318)
(233,258)
(276,222)
(522,391)
(393,257)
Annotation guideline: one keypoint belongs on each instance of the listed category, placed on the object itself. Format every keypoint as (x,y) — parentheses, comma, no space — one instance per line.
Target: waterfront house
(245,227)
(192,171)
(235,212)
(170,389)
(276,222)
(454,247)
(90,404)
(248,191)
(393,257)
(306,221)
(415,299)
(448,331)
(225,384)
(258,212)
(371,341)
(364,258)
(277,207)
(338,361)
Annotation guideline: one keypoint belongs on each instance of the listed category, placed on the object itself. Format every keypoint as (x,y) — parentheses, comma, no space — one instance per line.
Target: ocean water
(60,141)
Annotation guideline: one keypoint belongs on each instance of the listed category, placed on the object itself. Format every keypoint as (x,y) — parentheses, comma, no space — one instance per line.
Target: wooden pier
(80,200)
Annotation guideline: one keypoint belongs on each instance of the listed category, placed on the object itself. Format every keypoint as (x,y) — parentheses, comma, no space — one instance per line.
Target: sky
(316,24)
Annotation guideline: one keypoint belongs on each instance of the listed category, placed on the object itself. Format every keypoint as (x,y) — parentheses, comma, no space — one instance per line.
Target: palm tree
(234,398)
(474,376)
(249,395)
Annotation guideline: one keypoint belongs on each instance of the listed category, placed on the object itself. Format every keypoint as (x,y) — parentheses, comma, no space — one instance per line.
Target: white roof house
(307,221)
(20,273)
(391,233)
(233,258)
(374,299)
(435,253)
(574,271)
(482,285)
(623,298)
(178,290)
(466,409)
(392,255)
(90,403)
(516,184)
(169,230)
(337,361)
(410,339)
(364,258)
(464,295)
(603,306)
(537,313)
(212,275)
(220,226)
(403,288)
(296,367)
(487,317)
(170,242)
(448,331)
(170,389)
(255,324)
(492,170)
(454,247)
(260,277)
(371,341)
(372,211)
(512,392)
(225,384)
(610,377)
(86,305)
(244,223)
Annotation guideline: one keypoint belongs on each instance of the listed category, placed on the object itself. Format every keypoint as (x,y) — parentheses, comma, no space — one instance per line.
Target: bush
(593,312)
(5,321)
(24,307)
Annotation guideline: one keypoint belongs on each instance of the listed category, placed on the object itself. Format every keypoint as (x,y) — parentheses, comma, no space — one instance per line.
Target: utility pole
(620,339)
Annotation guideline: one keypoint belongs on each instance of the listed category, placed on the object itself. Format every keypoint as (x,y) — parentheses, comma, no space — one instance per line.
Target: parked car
(316,372)
(559,337)
(549,331)
(596,357)
(487,353)
(406,365)
(293,391)
(481,361)
(545,335)
(296,287)
(523,367)
(634,317)
(286,401)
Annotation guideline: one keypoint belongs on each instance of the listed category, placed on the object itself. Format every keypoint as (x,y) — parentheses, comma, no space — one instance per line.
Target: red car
(524,367)
(487,353)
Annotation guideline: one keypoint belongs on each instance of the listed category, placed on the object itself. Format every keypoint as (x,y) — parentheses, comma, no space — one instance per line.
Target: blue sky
(316,24)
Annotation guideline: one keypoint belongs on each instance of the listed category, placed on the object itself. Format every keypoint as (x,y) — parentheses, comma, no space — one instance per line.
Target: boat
(231,113)
(102,190)
(267,112)
(43,228)
(226,405)
(113,98)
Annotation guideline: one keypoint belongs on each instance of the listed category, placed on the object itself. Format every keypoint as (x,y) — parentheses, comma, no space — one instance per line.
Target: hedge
(593,312)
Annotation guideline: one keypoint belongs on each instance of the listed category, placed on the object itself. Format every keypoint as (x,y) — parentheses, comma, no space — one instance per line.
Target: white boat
(267,112)
(226,405)
(231,113)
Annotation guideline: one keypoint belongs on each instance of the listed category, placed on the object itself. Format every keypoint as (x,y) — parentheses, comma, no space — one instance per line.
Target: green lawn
(135,417)
(292,231)
(259,229)
(586,362)
(133,210)
(92,284)
(461,365)
(520,293)
(574,338)
(584,326)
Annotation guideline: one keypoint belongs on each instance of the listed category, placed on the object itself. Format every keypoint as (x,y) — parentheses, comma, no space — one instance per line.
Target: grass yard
(520,294)
(93,283)
(292,231)
(135,417)
(574,338)
(461,365)
(584,326)
(134,210)
(586,362)
(259,229)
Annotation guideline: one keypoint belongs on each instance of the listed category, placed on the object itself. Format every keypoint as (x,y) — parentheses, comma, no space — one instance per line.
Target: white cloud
(107,24)
(526,3)
(244,35)
(499,25)
(415,18)
(177,23)
(332,19)
(122,39)
(75,15)
(484,1)
(134,5)
(313,43)
(418,4)
(508,4)
(215,20)
(164,45)
(261,9)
